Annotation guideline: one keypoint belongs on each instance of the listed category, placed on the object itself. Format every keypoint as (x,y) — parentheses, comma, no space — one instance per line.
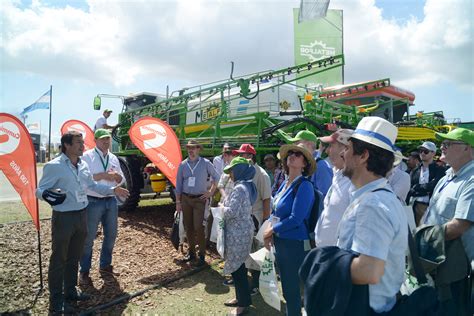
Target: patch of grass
(155,202)
(15,211)
(200,294)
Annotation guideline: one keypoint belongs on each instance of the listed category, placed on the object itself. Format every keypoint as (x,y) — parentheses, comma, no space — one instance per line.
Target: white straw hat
(377,131)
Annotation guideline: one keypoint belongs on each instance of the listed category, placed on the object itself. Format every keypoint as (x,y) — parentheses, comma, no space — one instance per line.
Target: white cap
(429,145)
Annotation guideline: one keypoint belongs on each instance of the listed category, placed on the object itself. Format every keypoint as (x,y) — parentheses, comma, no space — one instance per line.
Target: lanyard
(192,169)
(74,170)
(105,163)
(446,183)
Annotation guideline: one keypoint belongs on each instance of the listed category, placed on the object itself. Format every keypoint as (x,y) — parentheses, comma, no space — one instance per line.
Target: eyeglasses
(296,153)
(424,151)
(447,144)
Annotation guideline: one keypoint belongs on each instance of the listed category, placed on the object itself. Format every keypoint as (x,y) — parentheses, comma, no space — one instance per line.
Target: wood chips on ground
(143,256)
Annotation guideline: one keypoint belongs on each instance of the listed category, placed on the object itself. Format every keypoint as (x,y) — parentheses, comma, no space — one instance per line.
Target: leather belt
(100,198)
(193,196)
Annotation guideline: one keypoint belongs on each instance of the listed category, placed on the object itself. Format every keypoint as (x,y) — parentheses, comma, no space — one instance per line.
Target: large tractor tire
(133,182)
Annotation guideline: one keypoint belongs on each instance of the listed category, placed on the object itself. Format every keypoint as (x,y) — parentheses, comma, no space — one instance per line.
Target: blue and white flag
(41,103)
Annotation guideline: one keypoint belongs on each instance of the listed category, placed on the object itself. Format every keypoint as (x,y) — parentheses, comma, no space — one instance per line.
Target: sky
(83,48)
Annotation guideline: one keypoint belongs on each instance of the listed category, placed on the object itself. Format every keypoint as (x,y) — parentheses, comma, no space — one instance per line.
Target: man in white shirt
(102,121)
(223,159)
(398,179)
(105,168)
(338,196)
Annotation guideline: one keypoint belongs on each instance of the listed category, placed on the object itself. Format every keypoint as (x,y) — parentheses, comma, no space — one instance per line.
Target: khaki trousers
(193,220)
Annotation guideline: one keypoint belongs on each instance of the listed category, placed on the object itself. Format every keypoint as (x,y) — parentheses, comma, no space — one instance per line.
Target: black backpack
(315,212)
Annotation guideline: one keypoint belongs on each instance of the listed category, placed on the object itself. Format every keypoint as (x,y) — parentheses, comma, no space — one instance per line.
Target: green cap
(108,110)
(234,162)
(101,133)
(459,134)
(305,135)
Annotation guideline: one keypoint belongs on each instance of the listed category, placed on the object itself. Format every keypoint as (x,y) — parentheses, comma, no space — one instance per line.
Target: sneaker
(228,282)
(254,291)
(85,279)
(108,270)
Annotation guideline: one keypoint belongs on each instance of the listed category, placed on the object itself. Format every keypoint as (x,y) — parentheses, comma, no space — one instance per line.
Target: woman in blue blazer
(288,232)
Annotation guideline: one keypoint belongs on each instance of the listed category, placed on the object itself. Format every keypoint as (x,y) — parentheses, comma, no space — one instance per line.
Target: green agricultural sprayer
(264,109)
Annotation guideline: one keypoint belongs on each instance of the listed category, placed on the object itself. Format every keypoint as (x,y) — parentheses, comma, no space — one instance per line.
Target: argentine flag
(41,103)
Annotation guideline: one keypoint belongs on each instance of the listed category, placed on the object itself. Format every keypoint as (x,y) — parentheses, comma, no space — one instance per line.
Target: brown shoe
(108,270)
(85,279)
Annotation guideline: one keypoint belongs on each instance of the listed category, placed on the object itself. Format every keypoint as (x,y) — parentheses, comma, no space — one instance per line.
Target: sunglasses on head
(424,151)
(296,153)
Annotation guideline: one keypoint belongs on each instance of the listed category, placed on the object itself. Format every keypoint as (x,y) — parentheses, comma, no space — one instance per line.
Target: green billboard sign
(317,39)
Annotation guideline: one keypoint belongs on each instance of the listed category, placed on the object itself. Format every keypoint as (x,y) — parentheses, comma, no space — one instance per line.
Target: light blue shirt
(375,225)
(60,173)
(453,197)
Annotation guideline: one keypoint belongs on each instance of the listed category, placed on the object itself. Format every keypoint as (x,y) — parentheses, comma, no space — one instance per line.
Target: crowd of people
(369,193)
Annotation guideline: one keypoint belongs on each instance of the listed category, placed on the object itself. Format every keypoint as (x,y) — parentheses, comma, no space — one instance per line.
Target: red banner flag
(83,128)
(157,140)
(18,163)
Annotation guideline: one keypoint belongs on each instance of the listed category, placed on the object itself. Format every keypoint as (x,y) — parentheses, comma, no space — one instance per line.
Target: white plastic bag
(268,279)
(411,283)
(262,229)
(217,229)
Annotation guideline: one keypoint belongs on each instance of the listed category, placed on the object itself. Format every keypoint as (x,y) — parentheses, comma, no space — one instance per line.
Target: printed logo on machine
(9,138)
(154,135)
(78,128)
(317,50)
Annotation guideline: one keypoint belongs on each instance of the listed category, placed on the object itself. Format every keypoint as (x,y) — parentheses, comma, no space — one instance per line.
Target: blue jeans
(289,255)
(106,212)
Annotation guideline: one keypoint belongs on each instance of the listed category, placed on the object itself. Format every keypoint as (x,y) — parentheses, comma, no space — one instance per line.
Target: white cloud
(122,41)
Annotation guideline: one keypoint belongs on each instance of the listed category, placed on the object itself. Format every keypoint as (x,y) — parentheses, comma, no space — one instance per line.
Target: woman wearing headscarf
(238,231)
(288,232)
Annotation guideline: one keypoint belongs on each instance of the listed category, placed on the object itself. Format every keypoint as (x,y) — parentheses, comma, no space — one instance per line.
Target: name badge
(81,196)
(191,182)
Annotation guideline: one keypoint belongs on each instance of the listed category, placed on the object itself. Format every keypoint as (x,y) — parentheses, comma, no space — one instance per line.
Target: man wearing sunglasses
(452,203)
(423,180)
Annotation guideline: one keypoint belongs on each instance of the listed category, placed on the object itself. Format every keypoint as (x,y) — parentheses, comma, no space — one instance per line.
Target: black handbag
(175,231)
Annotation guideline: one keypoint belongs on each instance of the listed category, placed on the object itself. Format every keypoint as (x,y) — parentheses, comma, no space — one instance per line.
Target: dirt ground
(143,256)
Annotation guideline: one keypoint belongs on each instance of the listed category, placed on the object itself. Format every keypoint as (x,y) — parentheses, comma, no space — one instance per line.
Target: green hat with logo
(101,133)
(234,162)
(459,134)
(305,135)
